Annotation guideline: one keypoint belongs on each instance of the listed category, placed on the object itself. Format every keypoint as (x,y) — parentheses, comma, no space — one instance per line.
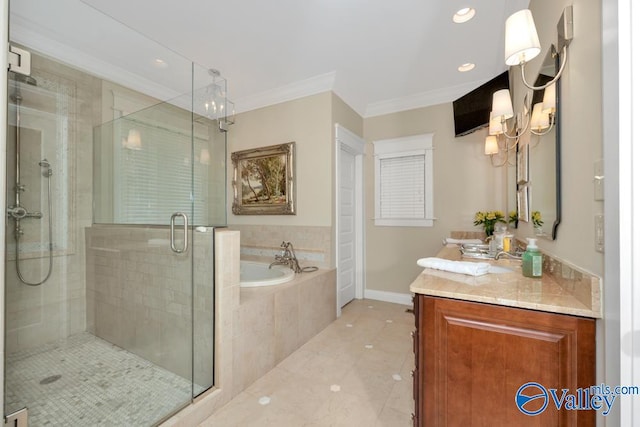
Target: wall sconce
(543,117)
(521,42)
(492,148)
(501,111)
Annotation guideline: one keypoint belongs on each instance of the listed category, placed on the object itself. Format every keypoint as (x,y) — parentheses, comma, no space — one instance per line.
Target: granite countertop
(562,289)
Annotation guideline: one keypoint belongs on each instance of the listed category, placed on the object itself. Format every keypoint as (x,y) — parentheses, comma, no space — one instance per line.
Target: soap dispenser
(532,260)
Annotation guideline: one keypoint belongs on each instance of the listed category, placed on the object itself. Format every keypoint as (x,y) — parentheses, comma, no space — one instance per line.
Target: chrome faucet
(516,255)
(287,257)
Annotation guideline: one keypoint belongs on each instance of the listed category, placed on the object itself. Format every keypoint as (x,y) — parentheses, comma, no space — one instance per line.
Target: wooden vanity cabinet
(471,358)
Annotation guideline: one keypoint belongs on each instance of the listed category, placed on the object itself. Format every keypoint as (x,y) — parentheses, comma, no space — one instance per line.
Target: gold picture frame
(263,180)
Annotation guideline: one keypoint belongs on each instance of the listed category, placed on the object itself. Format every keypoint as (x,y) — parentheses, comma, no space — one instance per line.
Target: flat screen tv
(471,111)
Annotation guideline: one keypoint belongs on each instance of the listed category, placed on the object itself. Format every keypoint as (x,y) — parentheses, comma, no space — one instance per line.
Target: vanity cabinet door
(472,358)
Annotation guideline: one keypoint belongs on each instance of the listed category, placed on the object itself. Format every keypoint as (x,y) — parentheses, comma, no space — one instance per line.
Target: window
(161,178)
(404,181)
(164,173)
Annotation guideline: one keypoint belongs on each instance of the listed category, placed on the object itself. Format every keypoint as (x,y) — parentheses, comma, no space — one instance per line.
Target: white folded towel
(461,241)
(463,267)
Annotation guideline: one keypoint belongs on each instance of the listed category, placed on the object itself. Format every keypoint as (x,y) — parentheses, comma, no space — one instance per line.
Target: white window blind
(155,181)
(404,181)
(402,187)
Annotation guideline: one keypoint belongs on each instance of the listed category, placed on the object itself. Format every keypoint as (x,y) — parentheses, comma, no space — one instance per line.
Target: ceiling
(379,56)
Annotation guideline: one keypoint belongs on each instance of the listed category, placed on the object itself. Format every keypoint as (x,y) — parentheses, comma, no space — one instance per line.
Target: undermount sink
(477,251)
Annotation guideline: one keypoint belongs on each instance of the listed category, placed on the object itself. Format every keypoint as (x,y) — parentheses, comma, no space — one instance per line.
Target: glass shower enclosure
(115,175)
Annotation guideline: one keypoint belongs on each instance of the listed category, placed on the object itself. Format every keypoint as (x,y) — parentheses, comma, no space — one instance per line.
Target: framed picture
(522,164)
(523,203)
(263,181)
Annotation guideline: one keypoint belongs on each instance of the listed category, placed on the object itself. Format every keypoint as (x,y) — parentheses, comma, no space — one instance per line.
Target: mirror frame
(558,125)
(558,153)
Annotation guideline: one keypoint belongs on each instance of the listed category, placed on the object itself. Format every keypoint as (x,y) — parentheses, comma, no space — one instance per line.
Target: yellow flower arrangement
(513,217)
(488,220)
(536,218)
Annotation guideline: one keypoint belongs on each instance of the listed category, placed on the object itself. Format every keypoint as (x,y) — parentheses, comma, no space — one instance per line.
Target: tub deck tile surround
(273,321)
(312,244)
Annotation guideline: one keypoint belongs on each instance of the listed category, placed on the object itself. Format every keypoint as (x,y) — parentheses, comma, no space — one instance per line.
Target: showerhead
(44,163)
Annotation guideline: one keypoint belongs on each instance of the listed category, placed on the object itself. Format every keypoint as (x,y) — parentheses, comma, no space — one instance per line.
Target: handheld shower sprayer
(44,163)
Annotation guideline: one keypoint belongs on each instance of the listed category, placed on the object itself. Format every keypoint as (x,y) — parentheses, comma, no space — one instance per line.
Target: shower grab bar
(185,243)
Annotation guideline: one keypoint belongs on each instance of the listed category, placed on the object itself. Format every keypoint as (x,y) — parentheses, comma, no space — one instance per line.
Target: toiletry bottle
(532,260)
(498,236)
(506,242)
(492,246)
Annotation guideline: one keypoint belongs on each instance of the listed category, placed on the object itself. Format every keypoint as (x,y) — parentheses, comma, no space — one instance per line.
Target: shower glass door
(109,171)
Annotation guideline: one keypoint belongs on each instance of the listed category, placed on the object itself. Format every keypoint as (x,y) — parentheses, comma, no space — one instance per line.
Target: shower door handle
(185,243)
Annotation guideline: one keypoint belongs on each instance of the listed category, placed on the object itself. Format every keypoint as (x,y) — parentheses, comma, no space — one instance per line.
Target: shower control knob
(17,212)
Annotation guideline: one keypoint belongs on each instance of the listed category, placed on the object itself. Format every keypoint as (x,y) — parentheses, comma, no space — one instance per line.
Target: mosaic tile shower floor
(100,384)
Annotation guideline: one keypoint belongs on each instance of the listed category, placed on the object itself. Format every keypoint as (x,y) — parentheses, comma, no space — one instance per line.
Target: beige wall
(310,123)
(307,121)
(344,115)
(581,103)
(464,182)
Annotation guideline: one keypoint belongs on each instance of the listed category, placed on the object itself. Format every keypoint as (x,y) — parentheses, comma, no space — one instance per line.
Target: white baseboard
(394,297)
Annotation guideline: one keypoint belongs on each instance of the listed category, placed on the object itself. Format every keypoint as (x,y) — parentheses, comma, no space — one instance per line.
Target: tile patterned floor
(356,372)
(100,384)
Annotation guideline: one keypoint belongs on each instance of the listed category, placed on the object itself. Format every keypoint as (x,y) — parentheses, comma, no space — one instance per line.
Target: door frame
(345,140)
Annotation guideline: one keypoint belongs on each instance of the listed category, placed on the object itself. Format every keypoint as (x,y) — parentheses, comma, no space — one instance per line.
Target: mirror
(544,160)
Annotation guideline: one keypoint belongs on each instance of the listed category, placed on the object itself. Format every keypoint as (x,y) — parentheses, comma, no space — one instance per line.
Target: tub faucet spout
(287,257)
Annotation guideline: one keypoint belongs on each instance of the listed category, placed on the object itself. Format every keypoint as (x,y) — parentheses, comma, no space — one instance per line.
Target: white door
(349,214)
(346,228)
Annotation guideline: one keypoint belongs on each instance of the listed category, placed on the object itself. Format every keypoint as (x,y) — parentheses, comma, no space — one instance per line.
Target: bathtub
(254,274)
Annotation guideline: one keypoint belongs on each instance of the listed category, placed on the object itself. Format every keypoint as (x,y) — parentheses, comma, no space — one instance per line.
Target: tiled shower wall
(312,244)
(139,296)
(55,309)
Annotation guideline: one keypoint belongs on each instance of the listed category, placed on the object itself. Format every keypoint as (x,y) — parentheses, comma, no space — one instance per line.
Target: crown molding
(300,89)
(420,100)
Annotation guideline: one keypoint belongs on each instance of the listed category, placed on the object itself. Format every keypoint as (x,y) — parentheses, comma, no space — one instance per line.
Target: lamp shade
(495,125)
(539,118)
(521,43)
(549,99)
(491,145)
(501,105)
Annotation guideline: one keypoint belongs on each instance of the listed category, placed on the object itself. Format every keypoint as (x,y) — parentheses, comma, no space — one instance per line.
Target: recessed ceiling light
(467,66)
(160,63)
(464,15)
